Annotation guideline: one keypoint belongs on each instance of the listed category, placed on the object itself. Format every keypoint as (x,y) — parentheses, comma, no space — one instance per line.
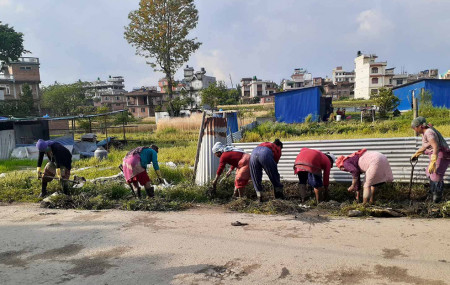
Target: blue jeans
(262,158)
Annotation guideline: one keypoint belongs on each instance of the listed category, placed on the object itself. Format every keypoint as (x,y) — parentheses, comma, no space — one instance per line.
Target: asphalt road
(199,246)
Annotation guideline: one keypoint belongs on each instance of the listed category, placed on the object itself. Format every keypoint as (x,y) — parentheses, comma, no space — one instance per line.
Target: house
(110,93)
(339,75)
(370,75)
(195,82)
(177,85)
(294,106)
(301,78)
(143,102)
(339,90)
(257,87)
(14,75)
(439,89)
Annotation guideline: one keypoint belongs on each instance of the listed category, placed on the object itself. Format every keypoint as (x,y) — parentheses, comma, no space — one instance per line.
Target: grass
(392,127)
(186,123)
(17,164)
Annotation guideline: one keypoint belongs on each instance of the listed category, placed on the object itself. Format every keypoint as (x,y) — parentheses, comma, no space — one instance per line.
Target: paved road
(199,246)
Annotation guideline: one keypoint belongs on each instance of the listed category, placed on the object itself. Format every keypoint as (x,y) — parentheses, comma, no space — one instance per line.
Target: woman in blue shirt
(135,168)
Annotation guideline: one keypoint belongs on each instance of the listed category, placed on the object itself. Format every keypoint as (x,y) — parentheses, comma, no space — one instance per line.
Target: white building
(371,75)
(301,78)
(255,87)
(195,82)
(340,75)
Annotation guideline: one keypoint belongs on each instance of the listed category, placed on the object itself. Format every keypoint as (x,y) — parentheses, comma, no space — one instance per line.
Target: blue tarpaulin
(295,105)
(232,123)
(439,88)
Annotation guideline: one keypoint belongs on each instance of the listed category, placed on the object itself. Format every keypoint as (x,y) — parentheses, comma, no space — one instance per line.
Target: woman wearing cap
(58,166)
(266,156)
(238,160)
(374,164)
(135,168)
(309,165)
(435,146)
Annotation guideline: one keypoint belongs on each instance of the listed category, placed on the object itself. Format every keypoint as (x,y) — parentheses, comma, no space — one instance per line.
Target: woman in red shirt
(238,160)
(309,165)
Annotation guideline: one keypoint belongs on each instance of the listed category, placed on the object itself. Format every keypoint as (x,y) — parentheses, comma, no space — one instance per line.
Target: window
(117,104)
(390,81)
(374,69)
(142,110)
(132,110)
(374,92)
(106,98)
(399,81)
(25,68)
(374,80)
(117,98)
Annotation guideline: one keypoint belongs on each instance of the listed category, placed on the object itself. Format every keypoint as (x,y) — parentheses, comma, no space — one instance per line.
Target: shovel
(413,163)
(78,183)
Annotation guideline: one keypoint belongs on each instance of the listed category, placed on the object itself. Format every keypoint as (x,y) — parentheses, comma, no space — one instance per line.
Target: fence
(7,143)
(397,150)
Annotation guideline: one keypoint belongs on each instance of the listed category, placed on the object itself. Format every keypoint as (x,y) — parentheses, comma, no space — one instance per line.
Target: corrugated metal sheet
(7,143)
(397,150)
(215,131)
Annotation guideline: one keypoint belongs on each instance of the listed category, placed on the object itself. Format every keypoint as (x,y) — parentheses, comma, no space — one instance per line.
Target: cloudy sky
(83,39)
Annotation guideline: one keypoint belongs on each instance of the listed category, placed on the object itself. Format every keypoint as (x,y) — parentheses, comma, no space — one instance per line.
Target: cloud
(373,24)
(20,8)
(215,64)
(5,3)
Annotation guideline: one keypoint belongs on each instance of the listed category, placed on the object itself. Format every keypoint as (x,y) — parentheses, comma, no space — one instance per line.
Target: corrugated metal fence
(7,143)
(397,150)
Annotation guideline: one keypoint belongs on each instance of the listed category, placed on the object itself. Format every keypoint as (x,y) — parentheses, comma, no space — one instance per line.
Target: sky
(83,39)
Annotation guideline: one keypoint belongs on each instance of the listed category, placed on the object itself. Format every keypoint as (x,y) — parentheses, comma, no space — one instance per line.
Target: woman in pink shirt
(435,146)
(238,160)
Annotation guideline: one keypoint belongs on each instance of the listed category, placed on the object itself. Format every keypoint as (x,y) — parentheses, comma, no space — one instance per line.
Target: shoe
(279,195)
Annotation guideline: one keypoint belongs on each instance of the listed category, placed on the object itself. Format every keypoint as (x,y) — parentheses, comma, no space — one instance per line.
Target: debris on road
(238,224)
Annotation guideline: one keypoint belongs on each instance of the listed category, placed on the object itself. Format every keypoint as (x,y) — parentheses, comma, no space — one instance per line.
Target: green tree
(386,101)
(63,99)
(27,100)
(159,30)
(177,104)
(215,94)
(11,44)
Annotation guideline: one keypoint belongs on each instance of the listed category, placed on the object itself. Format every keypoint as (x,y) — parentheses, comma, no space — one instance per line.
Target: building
(110,93)
(439,89)
(267,99)
(370,75)
(163,83)
(144,102)
(339,90)
(340,75)
(194,83)
(301,78)
(17,73)
(257,87)
(447,75)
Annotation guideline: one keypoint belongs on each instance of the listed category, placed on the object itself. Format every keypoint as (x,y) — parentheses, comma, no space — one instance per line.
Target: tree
(386,101)
(159,30)
(176,105)
(63,99)
(215,94)
(27,100)
(11,44)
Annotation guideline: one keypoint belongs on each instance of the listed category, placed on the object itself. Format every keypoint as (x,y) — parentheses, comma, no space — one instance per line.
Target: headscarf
(220,147)
(43,145)
(341,159)
(421,121)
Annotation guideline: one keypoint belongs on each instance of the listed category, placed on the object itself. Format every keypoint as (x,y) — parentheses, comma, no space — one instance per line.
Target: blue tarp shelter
(439,88)
(295,105)
(232,123)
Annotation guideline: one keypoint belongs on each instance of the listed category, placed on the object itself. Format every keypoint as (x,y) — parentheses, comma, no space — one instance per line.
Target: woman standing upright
(435,146)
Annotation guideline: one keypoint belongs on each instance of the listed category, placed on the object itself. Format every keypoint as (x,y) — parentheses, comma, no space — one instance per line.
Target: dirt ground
(199,246)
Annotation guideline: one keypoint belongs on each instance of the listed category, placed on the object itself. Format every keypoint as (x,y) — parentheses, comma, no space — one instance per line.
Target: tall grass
(185,123)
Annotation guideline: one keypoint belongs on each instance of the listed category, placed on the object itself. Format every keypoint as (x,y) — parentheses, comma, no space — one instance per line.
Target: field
(177,141)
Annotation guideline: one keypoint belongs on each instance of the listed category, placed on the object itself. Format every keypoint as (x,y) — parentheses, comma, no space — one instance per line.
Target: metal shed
(439,88)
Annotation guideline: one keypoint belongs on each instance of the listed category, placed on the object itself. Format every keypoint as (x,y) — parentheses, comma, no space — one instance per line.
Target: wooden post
(199,143)
(90,125)
(123,127)
(106,134)
(415,111)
